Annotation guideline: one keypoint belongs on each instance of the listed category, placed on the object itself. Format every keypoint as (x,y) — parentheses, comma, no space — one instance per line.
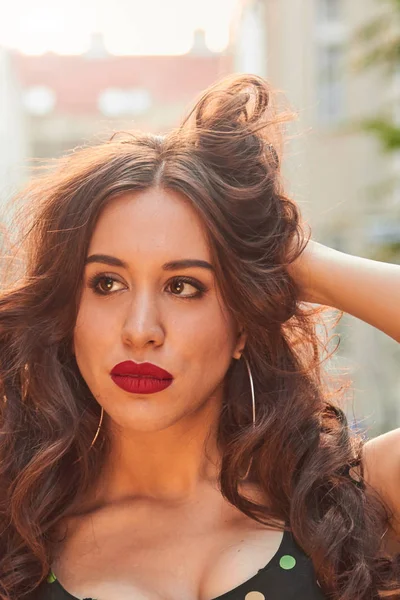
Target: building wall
(75,100)
(13,136)
(330,168)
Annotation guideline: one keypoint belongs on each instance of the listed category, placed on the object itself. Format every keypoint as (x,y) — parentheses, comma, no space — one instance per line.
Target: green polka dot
(51,577)
(287,562)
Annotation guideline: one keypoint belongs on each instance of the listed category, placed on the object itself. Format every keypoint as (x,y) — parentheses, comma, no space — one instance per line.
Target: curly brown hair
(225,158)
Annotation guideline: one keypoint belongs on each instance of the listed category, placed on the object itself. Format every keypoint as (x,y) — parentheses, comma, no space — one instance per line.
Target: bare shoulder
(381,460)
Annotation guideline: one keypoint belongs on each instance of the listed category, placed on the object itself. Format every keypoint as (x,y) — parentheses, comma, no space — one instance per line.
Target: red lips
(130,368)
(143,378)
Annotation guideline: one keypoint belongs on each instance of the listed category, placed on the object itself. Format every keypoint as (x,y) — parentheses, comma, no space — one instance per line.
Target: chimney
(199,46)
(97,47)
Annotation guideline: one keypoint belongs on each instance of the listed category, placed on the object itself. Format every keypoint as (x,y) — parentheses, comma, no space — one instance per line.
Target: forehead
(149,223)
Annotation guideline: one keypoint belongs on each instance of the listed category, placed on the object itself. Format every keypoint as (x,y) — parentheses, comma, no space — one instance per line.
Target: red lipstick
(140,378)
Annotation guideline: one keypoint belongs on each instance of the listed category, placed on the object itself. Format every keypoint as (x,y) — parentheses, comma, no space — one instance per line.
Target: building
(74,100)
(13,135)
(336,173)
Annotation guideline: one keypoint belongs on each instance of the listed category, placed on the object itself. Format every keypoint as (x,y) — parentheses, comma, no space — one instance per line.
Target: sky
(129,26)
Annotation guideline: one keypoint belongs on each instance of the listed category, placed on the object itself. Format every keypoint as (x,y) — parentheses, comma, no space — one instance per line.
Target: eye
(179,283)
(104,284)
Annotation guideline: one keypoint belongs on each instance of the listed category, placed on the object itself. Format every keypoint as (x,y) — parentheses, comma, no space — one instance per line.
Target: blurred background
(72,72)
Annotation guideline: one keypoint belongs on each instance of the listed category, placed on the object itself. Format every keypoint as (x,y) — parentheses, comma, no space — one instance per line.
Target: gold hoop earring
(253,400)
(98,428)
(253,404)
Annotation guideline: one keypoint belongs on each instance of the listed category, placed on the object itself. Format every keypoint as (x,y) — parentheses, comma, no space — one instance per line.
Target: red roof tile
(78,80)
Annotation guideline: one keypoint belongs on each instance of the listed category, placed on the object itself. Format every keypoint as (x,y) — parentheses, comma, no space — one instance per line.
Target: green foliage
(389,252)
(379,43)
(387,132)
(379,39)
(379,50)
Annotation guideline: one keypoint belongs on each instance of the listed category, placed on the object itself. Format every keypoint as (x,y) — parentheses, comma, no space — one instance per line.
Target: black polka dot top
(289,575)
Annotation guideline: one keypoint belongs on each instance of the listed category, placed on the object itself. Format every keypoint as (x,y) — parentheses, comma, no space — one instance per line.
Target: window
(39,100)
(329,10)
(330,38)
(330,82)
(116,102)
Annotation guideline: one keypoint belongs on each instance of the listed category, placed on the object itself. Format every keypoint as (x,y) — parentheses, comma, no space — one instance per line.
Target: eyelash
(96,279)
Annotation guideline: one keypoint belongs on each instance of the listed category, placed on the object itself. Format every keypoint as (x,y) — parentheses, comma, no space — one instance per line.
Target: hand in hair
(366,289)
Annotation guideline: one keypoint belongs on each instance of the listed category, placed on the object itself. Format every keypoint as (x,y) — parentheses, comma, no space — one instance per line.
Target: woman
(166,431)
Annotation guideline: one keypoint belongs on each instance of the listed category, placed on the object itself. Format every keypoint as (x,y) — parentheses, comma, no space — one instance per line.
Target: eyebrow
(174,265)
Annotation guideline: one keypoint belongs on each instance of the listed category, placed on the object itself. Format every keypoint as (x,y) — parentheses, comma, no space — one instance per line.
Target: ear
(240,344)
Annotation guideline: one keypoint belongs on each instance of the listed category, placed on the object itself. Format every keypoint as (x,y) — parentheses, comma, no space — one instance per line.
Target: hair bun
(238,124)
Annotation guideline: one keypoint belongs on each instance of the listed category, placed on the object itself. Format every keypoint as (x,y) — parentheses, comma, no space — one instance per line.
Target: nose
(142,324)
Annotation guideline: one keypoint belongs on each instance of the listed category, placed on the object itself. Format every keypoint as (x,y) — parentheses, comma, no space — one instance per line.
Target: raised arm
(366,289)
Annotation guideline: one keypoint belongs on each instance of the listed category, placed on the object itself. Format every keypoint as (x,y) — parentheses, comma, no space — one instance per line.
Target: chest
(148,553)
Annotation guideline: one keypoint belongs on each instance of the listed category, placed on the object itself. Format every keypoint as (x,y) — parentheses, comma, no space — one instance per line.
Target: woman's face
(145,312)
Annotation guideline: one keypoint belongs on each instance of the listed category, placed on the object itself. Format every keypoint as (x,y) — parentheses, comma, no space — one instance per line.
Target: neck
(168,465)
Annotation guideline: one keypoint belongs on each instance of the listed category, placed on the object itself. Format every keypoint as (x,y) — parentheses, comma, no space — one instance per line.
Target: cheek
(91,344)
(93,327)
(205,333)
(209,336)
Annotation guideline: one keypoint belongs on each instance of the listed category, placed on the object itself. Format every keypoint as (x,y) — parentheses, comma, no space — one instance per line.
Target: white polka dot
(254,596)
